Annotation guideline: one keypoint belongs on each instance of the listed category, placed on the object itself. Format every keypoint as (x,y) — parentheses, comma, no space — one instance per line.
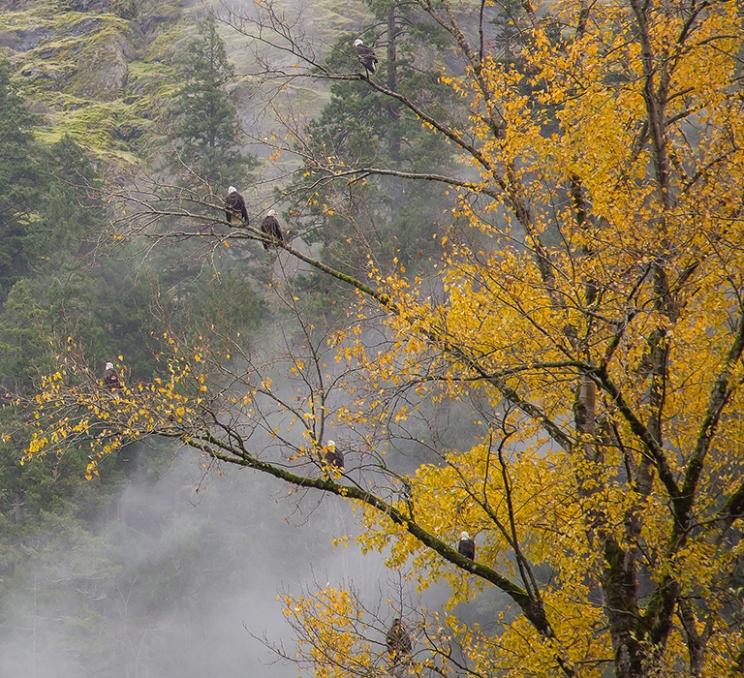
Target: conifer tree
(207,133)
(20,179)
(358,128)
(72,207)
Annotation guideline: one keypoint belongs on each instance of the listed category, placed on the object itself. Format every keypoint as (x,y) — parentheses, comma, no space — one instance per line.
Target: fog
(180,574)
(193,563)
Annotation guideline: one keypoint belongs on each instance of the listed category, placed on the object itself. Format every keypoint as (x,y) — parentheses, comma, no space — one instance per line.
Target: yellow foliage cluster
(328,621)
(74,407)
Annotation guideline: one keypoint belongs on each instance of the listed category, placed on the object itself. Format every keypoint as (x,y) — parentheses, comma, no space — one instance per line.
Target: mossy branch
(241,457)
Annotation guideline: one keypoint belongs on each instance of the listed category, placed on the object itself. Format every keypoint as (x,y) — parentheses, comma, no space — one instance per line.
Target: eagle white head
(358,42)
(109,366)
(464,536)
(232,189)
(271,213)
(331,445)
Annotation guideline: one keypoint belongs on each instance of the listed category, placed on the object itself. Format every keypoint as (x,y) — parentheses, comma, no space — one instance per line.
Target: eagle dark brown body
(398,641)
(235,209)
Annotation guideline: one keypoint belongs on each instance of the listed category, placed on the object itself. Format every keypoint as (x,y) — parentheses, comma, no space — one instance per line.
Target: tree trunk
(392,83)
(19,500)
(621,607)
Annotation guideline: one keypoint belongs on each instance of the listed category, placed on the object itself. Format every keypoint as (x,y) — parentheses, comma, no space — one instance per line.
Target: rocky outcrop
(87,5)
(103,69)
(43,77)
(23,40)
(99,70)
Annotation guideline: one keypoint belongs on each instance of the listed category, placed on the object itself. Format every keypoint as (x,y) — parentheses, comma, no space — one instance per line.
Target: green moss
(67,73)
(104,121)
(48,135)
(58,48)
(63,60)
(106,26)
(68,21)
(165,46)
(107,129)
(28,19)
(44,16)
(141,70)
(155,79)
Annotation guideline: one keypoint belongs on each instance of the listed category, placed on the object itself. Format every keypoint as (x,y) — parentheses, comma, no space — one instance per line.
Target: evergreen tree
(21,181)
(24,336)
(360,128)
(72,205)
(207,132)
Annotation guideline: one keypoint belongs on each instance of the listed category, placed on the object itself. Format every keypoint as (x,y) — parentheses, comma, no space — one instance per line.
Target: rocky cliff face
(103,70)
(99,70)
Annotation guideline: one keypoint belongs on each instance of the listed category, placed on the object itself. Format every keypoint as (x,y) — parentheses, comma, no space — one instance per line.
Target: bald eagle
(332,456)
(235,211)
(111,378)
(270,226)
(398,641)
(466,546)
(366,56)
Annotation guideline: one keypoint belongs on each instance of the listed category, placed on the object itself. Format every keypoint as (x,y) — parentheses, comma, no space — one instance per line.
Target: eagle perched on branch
(366,56)
(270,226)
(466,546)
(333,456)
(111,378)
(235,210)
(398,641)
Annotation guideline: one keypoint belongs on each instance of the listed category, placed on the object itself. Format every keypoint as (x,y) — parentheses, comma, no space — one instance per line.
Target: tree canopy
(20,180)
(207,132)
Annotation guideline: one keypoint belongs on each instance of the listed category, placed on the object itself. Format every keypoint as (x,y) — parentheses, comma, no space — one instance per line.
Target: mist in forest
(182,579)
(181,575)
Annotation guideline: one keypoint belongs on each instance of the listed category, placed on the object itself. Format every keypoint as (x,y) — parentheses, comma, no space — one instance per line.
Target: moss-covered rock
(85,5)
(99,70)
(24,39)
(103,69)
